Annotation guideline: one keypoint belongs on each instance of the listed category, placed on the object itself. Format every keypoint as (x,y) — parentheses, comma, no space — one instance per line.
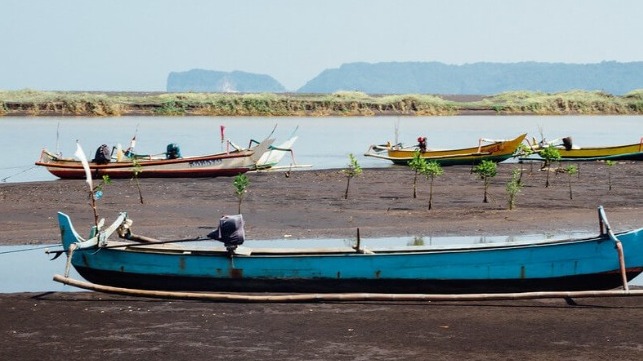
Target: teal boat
(220,262)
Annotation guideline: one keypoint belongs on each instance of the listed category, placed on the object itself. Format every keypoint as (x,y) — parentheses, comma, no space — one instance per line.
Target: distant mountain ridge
(199,80)
(431,78)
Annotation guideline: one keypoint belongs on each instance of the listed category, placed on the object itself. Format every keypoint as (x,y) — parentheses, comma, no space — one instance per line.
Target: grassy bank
(40,103)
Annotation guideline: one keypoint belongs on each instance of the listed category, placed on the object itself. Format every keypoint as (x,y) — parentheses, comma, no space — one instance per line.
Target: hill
(199,80)
(477,78)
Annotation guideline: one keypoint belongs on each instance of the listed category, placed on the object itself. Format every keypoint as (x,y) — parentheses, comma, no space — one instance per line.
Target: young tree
(571,170)
(609,163)
(524,151)
(486,170)
(96,193)
(240,184)
(418,164)
(431,170)
(550,154)
(513,187)
(353,170)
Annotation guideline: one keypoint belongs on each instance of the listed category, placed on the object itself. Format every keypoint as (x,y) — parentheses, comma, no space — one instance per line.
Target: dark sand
(309,204)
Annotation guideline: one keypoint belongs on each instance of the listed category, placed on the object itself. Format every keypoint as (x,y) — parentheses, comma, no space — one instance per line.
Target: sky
(133,45)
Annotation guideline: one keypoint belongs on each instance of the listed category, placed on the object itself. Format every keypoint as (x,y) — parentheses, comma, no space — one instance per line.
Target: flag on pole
(83,159)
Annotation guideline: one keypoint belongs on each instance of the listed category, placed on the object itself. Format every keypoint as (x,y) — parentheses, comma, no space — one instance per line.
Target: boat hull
(618,152)
(598,281)
(583,264)
(628,152)
(497,151)
(213,165)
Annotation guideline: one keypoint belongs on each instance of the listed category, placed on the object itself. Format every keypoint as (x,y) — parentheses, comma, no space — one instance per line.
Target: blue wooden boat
(603,262)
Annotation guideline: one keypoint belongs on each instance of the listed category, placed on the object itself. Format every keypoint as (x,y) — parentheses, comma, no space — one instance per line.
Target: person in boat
(422,143)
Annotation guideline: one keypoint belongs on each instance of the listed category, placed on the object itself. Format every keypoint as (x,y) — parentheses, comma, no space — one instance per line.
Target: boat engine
(173,151)
(230,231)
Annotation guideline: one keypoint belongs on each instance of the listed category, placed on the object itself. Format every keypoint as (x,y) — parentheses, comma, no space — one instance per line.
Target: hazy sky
(134,44)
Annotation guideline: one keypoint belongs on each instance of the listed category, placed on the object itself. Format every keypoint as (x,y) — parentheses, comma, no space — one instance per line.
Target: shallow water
(29,268)
(324,142)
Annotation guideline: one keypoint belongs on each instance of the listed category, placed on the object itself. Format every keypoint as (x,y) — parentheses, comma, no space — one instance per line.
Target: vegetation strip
(42,103)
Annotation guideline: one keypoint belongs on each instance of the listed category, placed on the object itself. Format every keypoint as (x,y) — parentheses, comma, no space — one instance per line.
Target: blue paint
(524,261)
(26,268)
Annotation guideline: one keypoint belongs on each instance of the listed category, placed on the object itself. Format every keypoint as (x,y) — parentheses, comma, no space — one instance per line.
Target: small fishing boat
(166,165)
(487,149)
(220,262)
(570,151)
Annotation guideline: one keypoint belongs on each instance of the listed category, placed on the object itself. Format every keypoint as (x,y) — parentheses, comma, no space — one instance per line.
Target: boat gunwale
(176,249)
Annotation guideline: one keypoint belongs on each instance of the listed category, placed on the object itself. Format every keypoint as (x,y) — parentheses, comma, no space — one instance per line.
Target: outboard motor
(173,151)
(103,155)
(230,232)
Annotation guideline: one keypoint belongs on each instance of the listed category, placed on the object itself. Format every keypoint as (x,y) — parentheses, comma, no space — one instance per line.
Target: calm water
(323,142)
(28,268)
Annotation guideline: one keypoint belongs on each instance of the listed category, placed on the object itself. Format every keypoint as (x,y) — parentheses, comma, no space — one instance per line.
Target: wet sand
(310,204)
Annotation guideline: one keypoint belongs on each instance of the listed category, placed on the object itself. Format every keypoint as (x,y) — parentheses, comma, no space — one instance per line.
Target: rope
(28,249)
(4,180)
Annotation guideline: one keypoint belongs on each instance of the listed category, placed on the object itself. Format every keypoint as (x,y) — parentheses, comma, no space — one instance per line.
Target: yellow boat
(494,150)
(570,151)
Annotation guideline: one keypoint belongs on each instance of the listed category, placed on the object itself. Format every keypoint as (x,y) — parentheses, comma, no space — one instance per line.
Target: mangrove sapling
(609,163)
(524,151)
(353,170)
(240,184)
(431,170)
(550,154)
(418,164)
(513,187)
(571,170)
(96,193)
(486,170)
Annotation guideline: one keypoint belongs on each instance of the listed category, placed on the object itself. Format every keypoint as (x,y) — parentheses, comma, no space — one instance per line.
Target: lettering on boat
(205,163)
